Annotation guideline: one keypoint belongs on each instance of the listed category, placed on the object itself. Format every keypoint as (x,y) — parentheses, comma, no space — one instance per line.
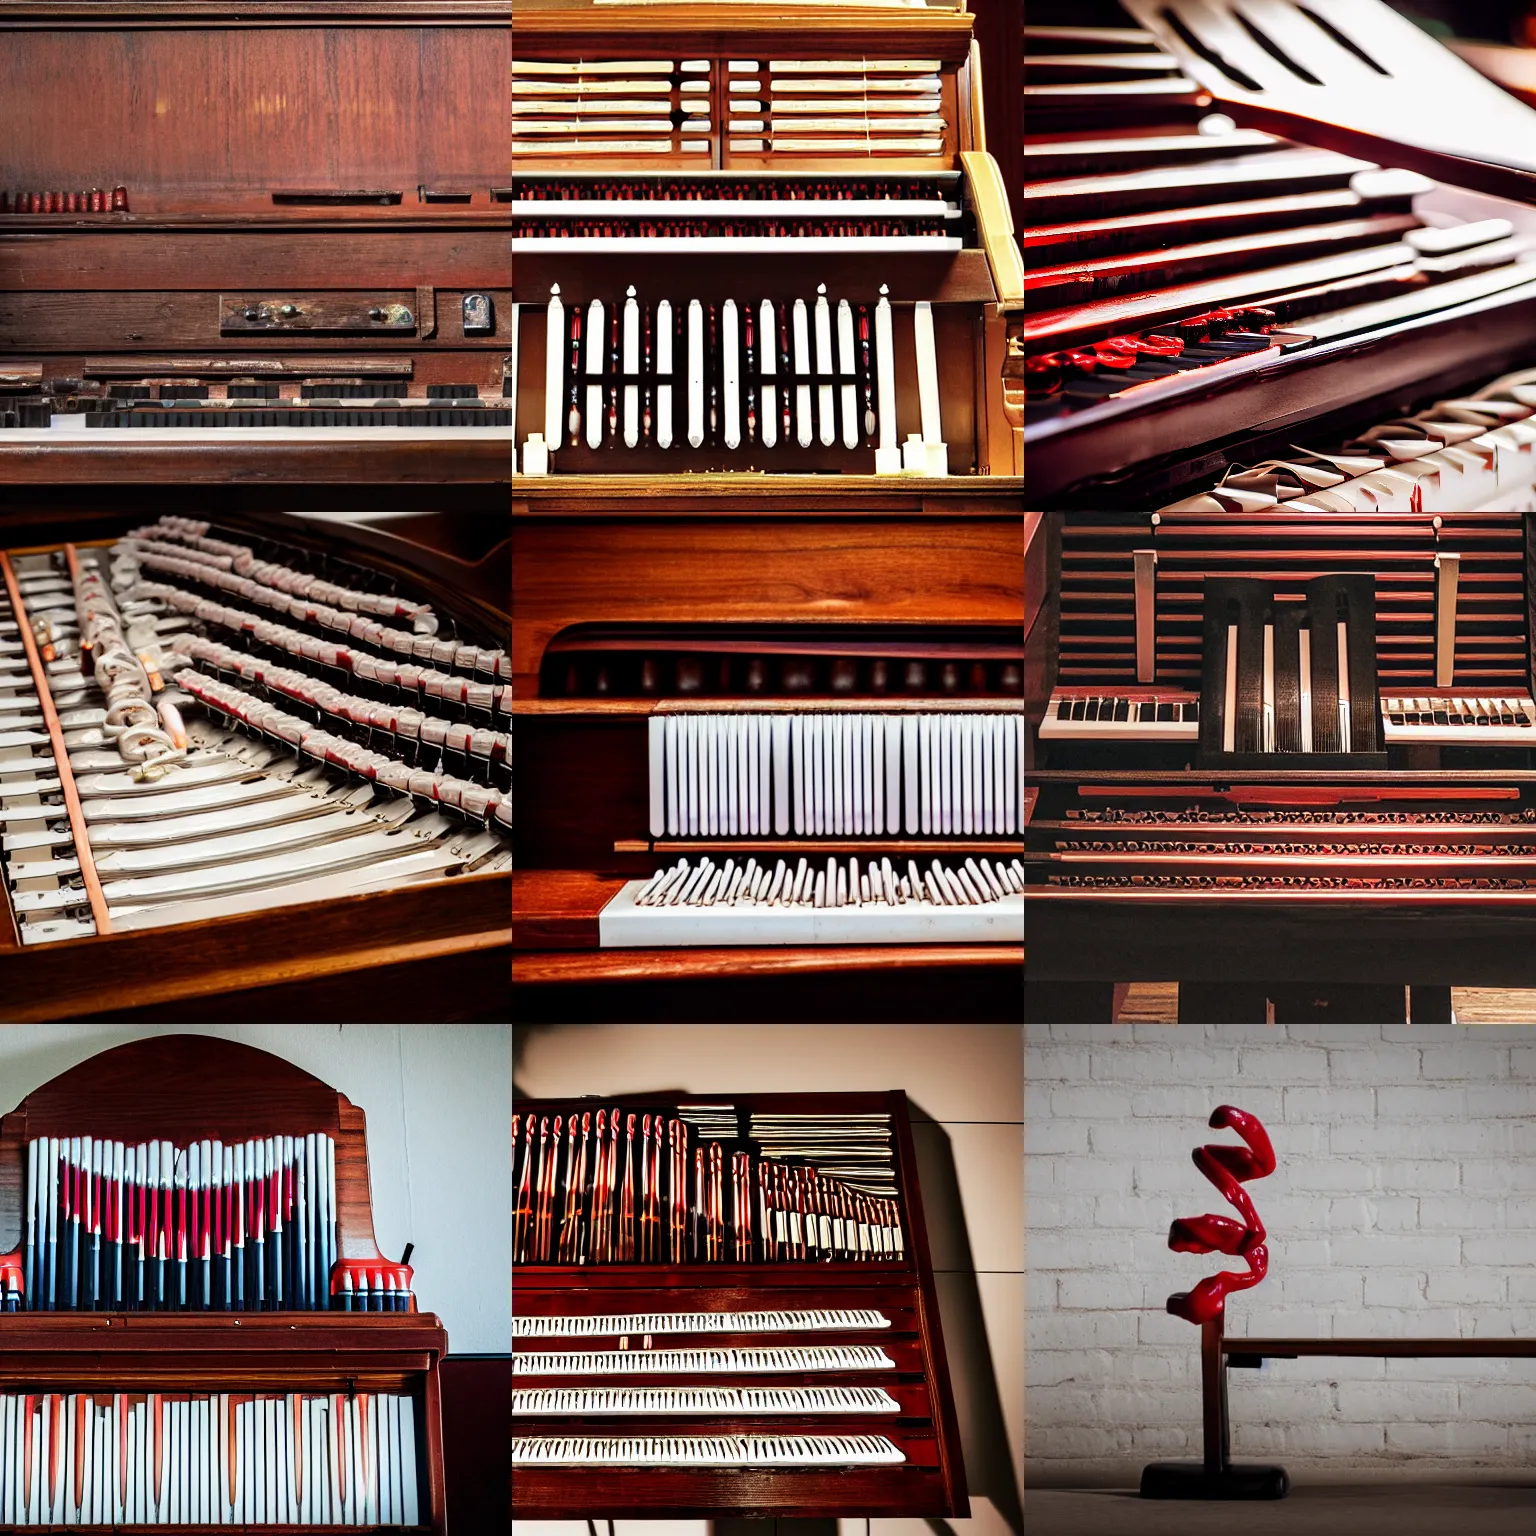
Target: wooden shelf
(129,15)
(568,966)
(464,919)
(549,30)
(221,461)
(763,495)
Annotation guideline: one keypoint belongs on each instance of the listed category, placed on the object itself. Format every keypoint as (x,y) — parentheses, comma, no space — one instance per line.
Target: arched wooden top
(183,1087)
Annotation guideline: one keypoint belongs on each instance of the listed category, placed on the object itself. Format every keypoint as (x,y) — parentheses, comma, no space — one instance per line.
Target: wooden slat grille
(1098,634)
(607,108)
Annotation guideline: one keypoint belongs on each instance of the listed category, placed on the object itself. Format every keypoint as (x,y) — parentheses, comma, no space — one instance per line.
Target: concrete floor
(1484,1507)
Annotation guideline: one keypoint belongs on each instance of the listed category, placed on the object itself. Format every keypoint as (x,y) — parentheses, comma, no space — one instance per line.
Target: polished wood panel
(819,567)
(930,1482)
(191,115)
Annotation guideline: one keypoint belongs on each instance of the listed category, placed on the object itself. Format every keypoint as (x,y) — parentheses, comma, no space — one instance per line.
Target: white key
(597,346)
(825,396)
(664,325)
(730,346)
(695,373)
(802,356)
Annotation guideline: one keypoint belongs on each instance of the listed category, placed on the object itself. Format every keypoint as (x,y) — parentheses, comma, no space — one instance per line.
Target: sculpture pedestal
(1192,1480)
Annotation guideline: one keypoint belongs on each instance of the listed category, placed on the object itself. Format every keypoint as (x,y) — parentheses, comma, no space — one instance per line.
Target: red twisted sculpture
(1228,1168)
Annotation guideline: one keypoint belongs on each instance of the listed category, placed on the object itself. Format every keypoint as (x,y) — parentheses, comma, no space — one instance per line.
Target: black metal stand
(1215,1477)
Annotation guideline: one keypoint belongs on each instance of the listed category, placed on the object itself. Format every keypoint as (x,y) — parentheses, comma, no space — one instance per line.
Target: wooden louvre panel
(1098,640)
(658,109)
(860,107)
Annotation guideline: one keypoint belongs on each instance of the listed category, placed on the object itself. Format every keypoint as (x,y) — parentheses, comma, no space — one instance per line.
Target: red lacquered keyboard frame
(930,1482)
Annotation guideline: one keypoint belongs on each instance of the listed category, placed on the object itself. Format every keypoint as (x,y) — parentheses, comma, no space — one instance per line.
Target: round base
(1190,1480)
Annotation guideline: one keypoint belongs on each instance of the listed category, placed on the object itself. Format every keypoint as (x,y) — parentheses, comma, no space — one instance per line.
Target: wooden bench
(1216,1477)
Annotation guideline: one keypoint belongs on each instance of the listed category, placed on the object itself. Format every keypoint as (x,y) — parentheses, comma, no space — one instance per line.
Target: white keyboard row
(613,1325)
(1460,720)
(683,1362)
(713,1451)
(836,773)
(1111,715)
(721,1400)
(979,901)
(1472,453)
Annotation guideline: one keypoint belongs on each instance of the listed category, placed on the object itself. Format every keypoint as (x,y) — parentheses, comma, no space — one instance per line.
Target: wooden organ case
(263,864)
(765,482)
(801,1375)
(1243,239)
(1313,826)
(271,256)
(125,1361)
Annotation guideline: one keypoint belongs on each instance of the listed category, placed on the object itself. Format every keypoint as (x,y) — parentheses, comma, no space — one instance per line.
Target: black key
(1441,718)
(1483,720)
(1165,711)
(1146,710)
(1091,712)
(1079,709)
(1122,709)
(1192,710)
(1396,719)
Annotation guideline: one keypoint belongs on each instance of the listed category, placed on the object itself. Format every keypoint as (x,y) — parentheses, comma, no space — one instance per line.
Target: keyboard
(1085,714)
(710,1400)
(620,1325)
(712,1451)
(978,901)
(725,1362)
(1460,720)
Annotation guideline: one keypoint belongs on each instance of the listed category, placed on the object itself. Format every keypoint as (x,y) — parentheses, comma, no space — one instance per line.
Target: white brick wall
(1403,1204)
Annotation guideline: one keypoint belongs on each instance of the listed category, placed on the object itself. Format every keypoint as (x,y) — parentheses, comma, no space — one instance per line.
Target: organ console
(254,751)
(1279,751)
(241,1385)
(1244,238)
(726,1306)
(771,718)
(857,150)
(272,254)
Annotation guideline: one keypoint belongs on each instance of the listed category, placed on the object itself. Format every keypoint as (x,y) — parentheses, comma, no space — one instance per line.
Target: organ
(209,281)
(1279,751)
(1246,247)
(725,1306)
(881,352)
(710,628)
(256,1410)
(263,749)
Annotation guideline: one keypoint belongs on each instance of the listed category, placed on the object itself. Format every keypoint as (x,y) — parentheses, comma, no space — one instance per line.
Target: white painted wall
(967,1080)
(1403,1203)
(438,1098)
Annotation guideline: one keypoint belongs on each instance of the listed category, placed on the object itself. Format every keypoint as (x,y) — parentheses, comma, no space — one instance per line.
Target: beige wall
(966,1087)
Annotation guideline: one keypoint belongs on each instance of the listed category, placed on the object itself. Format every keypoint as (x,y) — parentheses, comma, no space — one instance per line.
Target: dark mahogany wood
(185,1087)
(931,1482)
